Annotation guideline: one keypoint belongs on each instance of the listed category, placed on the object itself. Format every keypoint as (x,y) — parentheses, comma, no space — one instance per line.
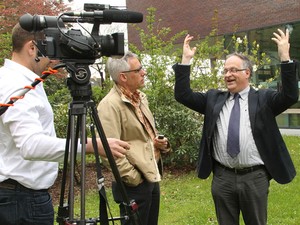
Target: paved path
(291,132)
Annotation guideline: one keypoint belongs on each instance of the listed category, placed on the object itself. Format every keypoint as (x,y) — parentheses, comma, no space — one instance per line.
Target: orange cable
(4,105)
(14,98)
(29,87)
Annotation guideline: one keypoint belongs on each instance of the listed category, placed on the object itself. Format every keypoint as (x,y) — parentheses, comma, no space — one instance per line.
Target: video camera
(71,45)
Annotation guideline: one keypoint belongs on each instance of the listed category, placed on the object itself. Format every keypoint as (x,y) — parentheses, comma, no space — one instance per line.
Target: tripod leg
(78,110)
(77,115)
(83,158)
(131,205)
(63,211)
(72,169)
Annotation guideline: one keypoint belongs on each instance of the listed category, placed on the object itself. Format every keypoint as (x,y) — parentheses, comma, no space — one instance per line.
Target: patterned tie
(233,140)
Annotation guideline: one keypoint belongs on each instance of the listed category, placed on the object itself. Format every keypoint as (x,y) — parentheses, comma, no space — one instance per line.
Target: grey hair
(246,61)
(116,65)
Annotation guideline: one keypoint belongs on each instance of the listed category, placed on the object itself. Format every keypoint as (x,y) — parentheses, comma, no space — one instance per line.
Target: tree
(11,10)
(158,52)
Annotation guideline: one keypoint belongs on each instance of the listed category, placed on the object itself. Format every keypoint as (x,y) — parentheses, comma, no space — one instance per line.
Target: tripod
(80,89)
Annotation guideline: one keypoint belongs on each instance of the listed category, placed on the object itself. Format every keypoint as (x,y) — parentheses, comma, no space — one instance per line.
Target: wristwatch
(287,61)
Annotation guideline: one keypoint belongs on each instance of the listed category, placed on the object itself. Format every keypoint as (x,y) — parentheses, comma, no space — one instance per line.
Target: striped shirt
(249,155)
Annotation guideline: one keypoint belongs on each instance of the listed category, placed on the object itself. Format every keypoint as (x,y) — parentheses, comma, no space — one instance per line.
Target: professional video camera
(70,44)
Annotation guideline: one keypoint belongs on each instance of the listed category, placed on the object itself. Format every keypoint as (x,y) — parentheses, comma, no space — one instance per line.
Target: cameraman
(29,148)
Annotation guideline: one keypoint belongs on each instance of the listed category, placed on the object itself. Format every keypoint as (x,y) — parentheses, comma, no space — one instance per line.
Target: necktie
(233,139)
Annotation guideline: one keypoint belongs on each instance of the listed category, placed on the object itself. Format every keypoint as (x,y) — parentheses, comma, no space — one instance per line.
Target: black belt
(11,184)
(242,170)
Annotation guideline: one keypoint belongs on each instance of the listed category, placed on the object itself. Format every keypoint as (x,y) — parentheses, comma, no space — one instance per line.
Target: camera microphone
(109,16)
(39,22)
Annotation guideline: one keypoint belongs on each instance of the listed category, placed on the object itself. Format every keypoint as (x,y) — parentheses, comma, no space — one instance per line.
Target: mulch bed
(91,178)
(90,184)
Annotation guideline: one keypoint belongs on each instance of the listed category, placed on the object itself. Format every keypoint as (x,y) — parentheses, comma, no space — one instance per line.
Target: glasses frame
(135,70)
(39,50)
(233,70)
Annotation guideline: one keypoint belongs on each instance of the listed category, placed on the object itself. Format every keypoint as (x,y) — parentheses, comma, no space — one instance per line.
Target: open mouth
(231,81)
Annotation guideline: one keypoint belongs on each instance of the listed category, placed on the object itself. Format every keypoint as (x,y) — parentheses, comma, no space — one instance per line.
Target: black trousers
(147,197)
(246,193)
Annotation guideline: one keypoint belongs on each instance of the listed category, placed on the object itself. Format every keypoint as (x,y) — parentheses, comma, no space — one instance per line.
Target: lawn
(186,200)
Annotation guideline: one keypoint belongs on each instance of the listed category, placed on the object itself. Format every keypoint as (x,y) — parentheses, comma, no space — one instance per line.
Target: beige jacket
(119,120)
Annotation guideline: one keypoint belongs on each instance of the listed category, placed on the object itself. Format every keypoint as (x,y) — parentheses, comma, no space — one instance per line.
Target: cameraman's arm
(118,148)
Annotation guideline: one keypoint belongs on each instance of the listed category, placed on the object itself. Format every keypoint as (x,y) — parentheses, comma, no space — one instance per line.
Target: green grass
(186,200)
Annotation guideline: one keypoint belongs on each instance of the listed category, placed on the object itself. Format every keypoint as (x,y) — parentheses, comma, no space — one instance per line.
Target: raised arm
(188,52)
(282,41)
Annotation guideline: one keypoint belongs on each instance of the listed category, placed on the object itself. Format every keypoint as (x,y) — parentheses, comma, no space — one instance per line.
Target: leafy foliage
(59,97)
(11,10)
(5,47)
(158,52)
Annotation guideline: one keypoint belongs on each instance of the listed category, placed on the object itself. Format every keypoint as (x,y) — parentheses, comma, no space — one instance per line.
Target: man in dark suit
(244,158)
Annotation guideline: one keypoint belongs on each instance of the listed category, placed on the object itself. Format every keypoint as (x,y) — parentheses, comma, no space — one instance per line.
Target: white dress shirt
(29,149)
(249,155)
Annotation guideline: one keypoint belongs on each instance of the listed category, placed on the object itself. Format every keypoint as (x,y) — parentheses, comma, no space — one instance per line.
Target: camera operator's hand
(118,148)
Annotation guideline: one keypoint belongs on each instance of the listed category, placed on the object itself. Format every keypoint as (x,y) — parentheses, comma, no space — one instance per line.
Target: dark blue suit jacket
(264,106)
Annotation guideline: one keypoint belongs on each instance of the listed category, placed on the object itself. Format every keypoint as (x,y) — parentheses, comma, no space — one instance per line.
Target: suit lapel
(252,105)
(217,109)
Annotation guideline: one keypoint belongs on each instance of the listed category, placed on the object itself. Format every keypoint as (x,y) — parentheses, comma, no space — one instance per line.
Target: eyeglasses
(135,71)
(40,53)
(232,70)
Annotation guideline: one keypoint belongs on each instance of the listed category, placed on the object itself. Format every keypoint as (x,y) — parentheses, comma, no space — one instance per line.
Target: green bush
(158,52)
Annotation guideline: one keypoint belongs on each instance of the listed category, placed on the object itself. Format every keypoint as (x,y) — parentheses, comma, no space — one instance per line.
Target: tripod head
(79,80)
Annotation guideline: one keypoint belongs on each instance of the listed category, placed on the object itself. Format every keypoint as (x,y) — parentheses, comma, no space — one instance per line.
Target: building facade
(257,20)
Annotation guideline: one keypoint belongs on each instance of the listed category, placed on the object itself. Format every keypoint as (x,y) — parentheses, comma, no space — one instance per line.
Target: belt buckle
(238,171)
(244,170)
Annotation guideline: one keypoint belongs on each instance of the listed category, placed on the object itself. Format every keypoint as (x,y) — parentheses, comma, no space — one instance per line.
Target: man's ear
(31,48)
(123,77)
(248,73)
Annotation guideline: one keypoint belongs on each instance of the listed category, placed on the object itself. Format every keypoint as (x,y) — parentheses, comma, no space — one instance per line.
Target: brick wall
(232,15)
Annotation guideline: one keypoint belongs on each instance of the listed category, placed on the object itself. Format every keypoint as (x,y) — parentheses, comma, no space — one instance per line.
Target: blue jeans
(25,207)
